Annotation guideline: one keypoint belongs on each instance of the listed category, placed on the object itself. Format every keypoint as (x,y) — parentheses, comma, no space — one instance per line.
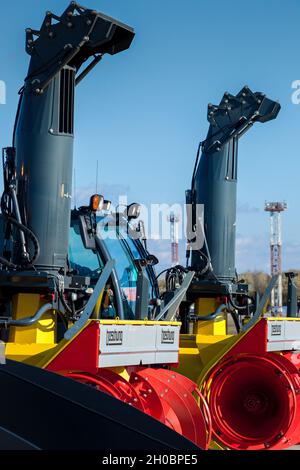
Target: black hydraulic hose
(7,263)
(14,199)
(28,321)
(21,92)
(196,165)
(63,319)
(235,321)
(237,307)
(68,309)
(88,69)
(22,228)
(162,272)
(31,235)
(209,317)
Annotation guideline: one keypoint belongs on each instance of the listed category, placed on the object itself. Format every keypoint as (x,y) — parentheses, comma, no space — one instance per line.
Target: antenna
(97,176)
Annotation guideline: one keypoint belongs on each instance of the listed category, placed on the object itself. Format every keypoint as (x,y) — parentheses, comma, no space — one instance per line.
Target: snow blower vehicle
(84,364)
(249,377)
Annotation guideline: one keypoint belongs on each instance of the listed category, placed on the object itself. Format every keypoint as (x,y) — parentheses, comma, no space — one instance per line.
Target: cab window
(83,261)
(126,270)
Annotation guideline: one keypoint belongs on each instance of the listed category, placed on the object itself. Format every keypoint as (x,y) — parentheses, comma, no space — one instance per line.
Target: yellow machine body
(206,343)
(37,344)
(25,342)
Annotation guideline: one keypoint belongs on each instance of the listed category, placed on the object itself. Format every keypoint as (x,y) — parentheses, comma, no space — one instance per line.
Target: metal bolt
(145,395)
(149,390)
(70,25)
(51,131)
(166,390)
(88,22)
(135,400)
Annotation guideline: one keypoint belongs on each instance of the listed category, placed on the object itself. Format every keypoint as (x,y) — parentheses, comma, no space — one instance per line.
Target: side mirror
(152,260)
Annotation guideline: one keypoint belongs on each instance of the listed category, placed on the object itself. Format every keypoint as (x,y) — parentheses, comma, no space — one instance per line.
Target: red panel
(254,342)
(81,354)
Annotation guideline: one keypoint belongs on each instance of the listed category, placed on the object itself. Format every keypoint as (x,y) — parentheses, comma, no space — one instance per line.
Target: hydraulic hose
(68,309)
(31,235)
(209,317)
(28,321)
(234,305)
(7,263)
(24,231)
(235,321)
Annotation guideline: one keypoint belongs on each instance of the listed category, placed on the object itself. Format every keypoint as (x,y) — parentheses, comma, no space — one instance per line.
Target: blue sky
(142,113)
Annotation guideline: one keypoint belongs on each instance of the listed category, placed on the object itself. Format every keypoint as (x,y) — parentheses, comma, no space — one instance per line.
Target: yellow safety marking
(282,319)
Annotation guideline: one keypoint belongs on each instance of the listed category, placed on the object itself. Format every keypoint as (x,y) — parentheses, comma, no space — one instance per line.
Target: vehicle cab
(132,290)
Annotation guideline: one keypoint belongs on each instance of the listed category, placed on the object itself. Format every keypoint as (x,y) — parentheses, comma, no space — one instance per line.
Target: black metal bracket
(142,299)
(71,39)
(235,115)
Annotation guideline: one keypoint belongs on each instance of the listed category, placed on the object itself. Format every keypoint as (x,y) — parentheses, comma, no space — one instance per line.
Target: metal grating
(66,101)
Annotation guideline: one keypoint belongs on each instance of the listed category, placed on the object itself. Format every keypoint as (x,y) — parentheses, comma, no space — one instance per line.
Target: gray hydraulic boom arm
(214,182)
